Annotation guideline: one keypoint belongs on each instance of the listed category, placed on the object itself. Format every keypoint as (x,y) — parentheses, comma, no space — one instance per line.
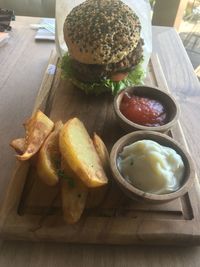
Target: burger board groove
(31,210)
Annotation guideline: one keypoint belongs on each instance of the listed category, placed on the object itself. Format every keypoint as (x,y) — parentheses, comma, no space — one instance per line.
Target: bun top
(101,31)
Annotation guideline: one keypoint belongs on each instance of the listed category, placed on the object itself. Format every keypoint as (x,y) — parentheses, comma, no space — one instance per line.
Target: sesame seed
(109,26)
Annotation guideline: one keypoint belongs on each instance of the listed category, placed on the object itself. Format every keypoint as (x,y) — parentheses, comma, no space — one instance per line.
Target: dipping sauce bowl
(137,194)
(150,93)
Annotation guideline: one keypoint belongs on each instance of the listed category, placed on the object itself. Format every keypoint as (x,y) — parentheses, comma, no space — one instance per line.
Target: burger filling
(94,72)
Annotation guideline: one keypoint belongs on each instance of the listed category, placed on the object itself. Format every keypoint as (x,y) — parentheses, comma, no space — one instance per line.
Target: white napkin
(46,29)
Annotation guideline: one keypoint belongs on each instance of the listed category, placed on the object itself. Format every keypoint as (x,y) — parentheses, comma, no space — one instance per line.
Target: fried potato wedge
(77,149)
(102,152)
(19,145)
(97,195)
(74,195)
(49,158)
(38,127)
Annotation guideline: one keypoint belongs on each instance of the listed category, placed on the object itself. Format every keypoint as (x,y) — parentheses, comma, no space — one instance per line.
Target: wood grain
(36,213)
(22,65)
(184,86)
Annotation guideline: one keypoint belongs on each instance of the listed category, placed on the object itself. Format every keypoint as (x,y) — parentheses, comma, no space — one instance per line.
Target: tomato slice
(117,77)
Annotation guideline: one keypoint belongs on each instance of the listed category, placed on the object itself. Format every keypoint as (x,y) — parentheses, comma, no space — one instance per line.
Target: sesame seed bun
(101,31)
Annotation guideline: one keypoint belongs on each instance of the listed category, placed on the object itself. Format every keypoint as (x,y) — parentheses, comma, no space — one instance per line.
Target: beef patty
(94,72)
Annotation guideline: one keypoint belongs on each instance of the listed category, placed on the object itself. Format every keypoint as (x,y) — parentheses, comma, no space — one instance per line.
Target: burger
(105,49)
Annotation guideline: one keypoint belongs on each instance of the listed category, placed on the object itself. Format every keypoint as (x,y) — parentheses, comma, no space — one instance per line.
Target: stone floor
(190,34)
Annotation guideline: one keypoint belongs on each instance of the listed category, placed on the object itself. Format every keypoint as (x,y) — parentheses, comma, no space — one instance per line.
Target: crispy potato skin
(19,145)
(38,127)
(92,174)
(102,152)
(49,151)
(97,195)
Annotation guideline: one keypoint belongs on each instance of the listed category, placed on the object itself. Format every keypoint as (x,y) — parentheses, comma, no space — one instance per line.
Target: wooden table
(22,65)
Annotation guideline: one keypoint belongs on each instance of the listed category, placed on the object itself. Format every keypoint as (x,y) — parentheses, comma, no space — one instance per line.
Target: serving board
(32,210)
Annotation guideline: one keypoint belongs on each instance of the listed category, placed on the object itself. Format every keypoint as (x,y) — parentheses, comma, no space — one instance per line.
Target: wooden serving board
(32,210)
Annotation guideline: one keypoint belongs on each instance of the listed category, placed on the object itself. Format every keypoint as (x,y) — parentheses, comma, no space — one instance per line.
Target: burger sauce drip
(143,110)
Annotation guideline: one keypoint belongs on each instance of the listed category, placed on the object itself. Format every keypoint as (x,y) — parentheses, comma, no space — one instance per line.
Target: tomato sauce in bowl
(143,110)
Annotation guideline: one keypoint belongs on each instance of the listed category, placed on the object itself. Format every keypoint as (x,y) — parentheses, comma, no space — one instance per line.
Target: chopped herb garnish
(60,173)
(69,180)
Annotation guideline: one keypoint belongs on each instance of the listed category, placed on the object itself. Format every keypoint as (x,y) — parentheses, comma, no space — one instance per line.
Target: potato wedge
(102,152)
(19,145)
(74,195)
(38,127)
(97,195)
(49,158)
(78,151)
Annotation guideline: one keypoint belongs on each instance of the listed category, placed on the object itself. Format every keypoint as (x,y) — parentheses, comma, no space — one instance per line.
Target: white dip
(151,167)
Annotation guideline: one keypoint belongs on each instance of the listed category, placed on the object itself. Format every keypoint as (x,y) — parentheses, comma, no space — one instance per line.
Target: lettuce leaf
(135,77)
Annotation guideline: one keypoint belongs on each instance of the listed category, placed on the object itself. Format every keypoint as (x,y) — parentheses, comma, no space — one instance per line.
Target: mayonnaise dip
(151,167)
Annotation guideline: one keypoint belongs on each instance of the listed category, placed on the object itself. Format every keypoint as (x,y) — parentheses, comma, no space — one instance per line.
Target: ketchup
(143,110)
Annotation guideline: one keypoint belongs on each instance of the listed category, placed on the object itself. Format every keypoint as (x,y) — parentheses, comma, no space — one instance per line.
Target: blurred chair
(34,8)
